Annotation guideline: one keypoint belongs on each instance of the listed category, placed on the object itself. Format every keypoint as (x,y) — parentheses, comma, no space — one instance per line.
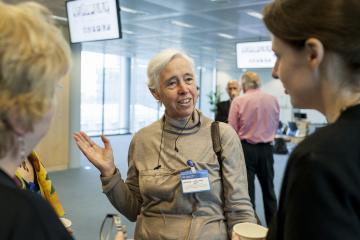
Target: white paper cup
(250,231)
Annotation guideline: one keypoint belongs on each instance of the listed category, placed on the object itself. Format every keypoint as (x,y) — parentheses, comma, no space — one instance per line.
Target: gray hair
(159,62)
(250,80)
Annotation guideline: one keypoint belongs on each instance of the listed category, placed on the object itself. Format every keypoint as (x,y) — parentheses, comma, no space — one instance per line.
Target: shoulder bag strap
(216,141)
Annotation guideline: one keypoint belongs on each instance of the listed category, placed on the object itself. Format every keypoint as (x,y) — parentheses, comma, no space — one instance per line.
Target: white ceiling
(151,29)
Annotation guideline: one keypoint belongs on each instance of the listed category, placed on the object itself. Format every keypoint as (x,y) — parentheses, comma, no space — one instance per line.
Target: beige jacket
(154,198)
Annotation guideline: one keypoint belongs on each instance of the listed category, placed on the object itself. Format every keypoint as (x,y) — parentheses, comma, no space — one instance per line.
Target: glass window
(145,107)
(116,95)
(104,93)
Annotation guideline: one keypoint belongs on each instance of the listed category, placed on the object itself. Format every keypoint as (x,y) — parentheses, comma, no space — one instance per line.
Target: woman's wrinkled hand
(101,158)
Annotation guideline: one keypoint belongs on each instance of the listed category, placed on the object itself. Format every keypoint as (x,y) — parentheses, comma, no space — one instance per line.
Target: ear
(155,93)
(14,122)
(315,52)
(243,87)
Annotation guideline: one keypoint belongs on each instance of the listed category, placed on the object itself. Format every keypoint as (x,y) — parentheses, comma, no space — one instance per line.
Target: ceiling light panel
(132,11)
(181,24)
(254,14)
(224,35)
(196,5)
(187,22)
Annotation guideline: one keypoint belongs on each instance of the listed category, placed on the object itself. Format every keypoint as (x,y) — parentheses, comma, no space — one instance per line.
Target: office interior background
(106,92)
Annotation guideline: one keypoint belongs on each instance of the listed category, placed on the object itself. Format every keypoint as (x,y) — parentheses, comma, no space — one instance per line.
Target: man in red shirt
(255,118)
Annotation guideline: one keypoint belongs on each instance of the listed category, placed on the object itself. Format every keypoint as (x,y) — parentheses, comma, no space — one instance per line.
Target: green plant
(214,98)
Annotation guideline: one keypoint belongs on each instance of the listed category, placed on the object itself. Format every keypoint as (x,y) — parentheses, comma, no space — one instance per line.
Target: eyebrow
(175,77)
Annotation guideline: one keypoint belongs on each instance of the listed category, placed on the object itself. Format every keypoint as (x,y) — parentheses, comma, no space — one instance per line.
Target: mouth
(185,102)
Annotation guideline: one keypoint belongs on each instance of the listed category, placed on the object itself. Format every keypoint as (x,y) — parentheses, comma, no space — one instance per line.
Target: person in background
(161,192)
(222,108)
(34,57)
(255,117)
(317,44)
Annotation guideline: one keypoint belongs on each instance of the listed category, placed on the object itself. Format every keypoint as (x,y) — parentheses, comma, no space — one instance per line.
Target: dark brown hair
(334,22)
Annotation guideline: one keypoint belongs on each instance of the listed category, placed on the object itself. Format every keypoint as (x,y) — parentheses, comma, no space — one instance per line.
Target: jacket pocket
(158,184)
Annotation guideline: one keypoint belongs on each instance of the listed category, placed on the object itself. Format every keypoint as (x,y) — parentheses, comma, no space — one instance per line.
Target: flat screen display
(93,20)
(255,55)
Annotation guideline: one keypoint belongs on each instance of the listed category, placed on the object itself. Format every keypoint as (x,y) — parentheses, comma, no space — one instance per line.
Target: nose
(274,72)
(182,87)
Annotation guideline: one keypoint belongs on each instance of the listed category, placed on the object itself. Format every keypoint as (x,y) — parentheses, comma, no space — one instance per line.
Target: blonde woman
(33,58)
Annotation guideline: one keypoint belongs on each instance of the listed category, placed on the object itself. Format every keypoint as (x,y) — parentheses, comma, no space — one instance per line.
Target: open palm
(101,158)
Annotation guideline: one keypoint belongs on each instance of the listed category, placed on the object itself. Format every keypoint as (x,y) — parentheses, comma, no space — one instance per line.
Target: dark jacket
(320,195)
(25,215)
(222,111)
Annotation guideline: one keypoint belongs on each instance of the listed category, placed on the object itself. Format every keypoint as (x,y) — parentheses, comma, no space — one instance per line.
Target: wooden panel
(53,149)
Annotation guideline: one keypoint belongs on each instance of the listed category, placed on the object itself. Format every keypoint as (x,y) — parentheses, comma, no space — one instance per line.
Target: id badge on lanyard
(194,181)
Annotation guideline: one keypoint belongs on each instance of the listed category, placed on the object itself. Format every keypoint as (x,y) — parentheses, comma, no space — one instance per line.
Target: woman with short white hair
(174,187)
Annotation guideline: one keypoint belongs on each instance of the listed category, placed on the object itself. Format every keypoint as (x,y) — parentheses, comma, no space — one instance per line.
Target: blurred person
(31,175)
(156,193)
(222,108)
(317,44)
(34,57)
(255,117)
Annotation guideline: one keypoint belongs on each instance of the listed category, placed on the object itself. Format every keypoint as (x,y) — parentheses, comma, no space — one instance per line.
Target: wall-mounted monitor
(93,20)
(255,55)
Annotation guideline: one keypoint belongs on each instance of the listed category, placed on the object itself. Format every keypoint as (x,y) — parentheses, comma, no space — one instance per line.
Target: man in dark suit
(222,108)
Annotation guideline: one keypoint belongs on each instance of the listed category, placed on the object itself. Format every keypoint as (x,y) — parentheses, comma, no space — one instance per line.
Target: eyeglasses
(111,227)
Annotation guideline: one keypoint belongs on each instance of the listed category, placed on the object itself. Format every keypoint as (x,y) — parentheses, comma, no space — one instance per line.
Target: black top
(222,111)
(25,215)
(320,194)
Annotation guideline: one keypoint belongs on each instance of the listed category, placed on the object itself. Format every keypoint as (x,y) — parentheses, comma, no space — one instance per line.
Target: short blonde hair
(34,56)
(159,62)
(250,80)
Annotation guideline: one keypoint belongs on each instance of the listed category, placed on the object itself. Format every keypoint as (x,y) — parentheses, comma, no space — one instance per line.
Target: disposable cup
(250,231)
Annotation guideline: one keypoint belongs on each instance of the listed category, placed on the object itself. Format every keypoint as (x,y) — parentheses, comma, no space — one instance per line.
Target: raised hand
(101,158)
